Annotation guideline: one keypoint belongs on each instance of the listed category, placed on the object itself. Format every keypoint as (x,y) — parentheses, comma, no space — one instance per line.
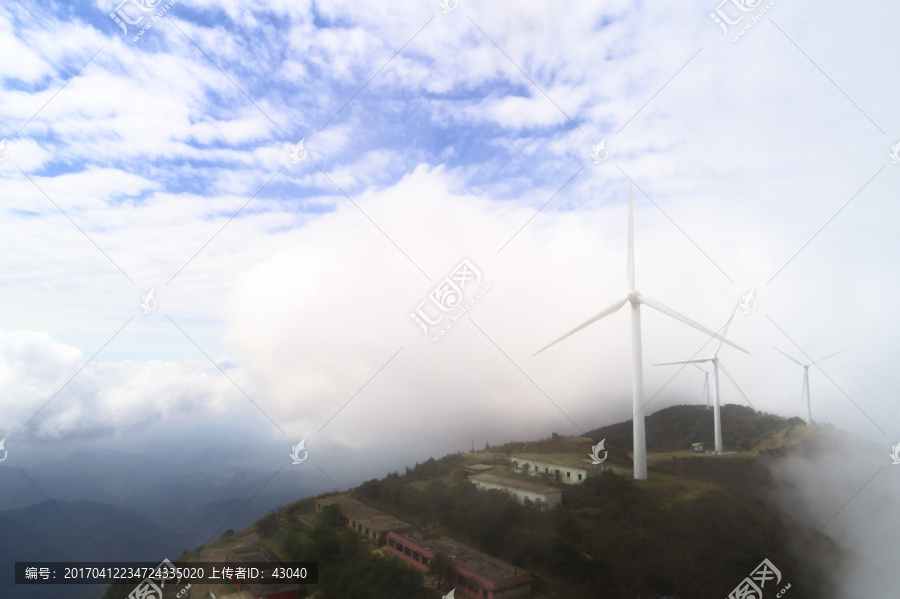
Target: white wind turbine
(705,384)
(637,376)
(805,393)
(716,367)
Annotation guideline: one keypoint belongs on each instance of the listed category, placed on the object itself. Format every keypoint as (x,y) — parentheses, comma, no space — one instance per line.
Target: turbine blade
(683,362)
(725,330)
(787,356)
(736,386)
(630,270)
(828,356)
(670,312)
(610,310)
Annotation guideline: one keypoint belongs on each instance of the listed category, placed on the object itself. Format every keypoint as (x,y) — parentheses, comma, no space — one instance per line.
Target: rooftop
(515,483)
(373,518)
(473,560)
(477,467)
(584,463)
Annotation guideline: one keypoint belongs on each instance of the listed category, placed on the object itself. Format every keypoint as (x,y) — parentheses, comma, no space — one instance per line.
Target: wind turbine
(716,367)
(705,384)
(805,394)
(637,375)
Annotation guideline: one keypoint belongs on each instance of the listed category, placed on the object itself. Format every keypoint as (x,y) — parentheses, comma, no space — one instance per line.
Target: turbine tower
(716,367)
(637,376)
(804,396)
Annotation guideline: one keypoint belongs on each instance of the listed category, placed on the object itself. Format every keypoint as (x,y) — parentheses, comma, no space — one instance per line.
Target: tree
(332,515)
(228,533)
(268,524)
(441,565)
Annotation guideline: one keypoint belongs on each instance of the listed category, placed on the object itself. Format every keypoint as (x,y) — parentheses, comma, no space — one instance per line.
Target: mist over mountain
(78,531)
(846,487)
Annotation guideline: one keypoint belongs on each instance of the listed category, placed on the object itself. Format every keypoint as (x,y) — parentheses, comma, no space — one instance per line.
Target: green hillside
(695,529)
(677,427)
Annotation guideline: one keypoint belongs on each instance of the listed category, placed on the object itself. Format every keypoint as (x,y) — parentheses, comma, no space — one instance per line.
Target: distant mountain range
(127,506)
(78,531)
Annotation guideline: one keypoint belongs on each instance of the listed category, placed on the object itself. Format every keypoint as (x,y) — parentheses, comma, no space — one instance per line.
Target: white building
(523,490)
(569,471)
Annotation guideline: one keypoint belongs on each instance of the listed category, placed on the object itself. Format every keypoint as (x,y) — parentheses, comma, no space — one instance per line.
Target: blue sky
(432,137)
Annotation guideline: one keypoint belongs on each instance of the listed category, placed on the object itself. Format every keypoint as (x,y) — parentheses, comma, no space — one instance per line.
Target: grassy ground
(421,484)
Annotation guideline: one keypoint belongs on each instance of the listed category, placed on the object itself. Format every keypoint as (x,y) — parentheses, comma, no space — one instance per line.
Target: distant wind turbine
(637,376)
(717,366)
(705,384)
(804,396)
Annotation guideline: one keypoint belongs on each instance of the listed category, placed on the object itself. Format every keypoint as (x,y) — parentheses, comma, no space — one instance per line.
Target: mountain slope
(695,529)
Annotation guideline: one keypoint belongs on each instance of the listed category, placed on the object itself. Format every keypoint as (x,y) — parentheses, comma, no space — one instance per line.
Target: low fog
(846,487)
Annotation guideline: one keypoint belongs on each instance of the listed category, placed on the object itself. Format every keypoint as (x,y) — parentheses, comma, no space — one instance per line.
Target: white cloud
(320,317)
(450,150)
(28,66)
(105,397)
